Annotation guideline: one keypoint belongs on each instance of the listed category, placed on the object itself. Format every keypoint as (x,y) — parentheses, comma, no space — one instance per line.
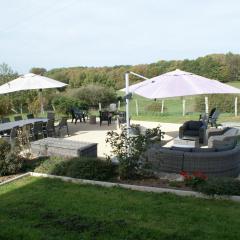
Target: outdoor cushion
(225,147)
(194,125)
(191,133)
(181,149)
(203,149)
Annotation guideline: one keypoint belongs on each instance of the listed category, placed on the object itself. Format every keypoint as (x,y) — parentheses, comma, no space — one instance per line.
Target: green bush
(64,103)
(220,186)
(5,106)
(10,162)
(86,168)
(94,94)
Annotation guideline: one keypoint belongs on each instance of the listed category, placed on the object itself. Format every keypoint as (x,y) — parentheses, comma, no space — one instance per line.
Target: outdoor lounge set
(219,154)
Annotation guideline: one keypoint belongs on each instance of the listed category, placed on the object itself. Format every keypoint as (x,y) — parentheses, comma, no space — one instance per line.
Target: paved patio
(95,134)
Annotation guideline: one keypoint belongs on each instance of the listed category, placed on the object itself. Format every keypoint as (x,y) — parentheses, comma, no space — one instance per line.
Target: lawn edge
(182,193)
(177,192)
(15,178)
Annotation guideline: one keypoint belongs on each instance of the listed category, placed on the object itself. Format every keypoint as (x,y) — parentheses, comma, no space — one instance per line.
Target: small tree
(129,149)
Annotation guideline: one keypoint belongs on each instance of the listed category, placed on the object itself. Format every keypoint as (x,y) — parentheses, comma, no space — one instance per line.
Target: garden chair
(77,114)
(37,130)
(18,118)
(30,116)
(49,129)
(213,120)
(121,118)
(63,124)
(105,116)
(11,138)
(193,129)
(5,120)
(51,115)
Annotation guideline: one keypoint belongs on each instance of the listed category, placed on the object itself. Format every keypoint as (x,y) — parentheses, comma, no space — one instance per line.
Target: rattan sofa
(212,162)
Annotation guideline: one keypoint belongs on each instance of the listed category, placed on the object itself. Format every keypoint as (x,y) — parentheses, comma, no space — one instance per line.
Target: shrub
(93,94)
(129,150)
(64,103)
(5,148)
(220,186)
(10,162)
(91,169)
(5,106)
(193,180)
(86,168)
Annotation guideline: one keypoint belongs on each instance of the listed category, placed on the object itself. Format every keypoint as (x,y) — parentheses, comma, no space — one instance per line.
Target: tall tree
(6,73)
(38,71)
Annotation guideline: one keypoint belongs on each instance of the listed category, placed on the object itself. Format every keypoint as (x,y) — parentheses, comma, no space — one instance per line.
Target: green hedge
(86,168)
(220,186)
(63,103)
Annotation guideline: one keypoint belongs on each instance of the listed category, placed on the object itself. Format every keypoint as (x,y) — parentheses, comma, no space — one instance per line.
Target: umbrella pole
(41,101)
(127,102)
(206,105)
(184,106)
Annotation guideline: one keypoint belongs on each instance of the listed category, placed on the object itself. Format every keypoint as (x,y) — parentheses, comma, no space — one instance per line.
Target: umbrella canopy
(179,83)
(30,81)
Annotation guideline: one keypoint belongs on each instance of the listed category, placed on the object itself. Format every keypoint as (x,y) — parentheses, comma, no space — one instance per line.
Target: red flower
(183,173)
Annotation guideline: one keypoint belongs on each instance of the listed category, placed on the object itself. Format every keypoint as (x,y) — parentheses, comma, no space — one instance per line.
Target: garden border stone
(182,193)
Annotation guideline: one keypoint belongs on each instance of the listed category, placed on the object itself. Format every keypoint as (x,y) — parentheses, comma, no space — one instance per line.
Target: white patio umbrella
(176,84)
(30,81)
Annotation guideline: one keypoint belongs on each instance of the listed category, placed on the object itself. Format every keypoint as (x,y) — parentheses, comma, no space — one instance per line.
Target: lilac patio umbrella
(178,84)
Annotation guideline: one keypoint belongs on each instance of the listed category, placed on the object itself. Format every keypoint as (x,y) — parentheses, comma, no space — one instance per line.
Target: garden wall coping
(125,186)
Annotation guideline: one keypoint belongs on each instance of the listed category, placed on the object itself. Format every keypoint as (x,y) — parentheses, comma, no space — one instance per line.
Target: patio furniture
(121,118)
(193,129)
(213,119)
(30,116)
(189,142)
(10,125)
(77,114)
(216,162)
(49,129)
(63,125)
(105,116)
(63,147)
(51,115)
(92,119)
(215,132)
(11,138)
(37,130)
(18,118)
(5,120)
(6,132)
(227,137)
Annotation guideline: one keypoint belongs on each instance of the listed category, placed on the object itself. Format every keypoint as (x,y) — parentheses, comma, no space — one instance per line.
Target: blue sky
(62,33)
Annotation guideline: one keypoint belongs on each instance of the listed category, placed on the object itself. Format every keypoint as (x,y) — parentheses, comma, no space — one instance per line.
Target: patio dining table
(20,123)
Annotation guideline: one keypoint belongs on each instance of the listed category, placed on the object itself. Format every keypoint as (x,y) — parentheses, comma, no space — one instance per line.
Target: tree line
(222,67)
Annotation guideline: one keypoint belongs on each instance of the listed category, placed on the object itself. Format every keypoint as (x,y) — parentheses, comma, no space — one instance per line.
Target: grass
(33,208)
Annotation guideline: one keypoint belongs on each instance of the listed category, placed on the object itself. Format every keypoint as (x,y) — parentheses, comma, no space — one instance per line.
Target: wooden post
(206,105)
(236,106)
(119,105)
(162,109)
(136,102)
(184,106)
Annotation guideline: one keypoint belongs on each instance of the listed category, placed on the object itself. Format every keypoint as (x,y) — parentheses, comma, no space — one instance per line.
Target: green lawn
(35,208)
